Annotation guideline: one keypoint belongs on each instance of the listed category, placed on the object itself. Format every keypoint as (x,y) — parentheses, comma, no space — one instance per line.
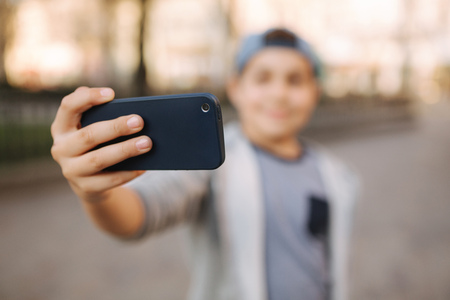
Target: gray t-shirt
(296,263)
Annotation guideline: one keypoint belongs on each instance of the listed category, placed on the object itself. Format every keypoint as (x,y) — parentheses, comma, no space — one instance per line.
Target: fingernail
(143,144)
(133,122)
(106,93)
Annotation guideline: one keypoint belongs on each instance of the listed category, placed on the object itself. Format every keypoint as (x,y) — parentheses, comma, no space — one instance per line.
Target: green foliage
(19,141)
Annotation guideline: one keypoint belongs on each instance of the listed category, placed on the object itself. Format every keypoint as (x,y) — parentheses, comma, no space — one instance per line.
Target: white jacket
(225,213)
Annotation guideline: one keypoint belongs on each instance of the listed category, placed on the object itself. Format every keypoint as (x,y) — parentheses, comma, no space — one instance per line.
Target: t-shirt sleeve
(169,197)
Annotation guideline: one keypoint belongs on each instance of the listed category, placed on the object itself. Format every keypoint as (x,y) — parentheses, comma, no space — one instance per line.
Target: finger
(95,134)
(97,160)
(106,180)
(72,106)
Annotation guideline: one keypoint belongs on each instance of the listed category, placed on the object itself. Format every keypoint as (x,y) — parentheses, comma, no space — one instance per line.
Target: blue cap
(279,37)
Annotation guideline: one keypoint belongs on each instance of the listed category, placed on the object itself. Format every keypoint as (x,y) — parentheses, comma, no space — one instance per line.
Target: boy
(271,223)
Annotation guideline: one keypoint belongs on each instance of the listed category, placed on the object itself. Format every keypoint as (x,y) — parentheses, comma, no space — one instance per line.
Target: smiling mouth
(278,114)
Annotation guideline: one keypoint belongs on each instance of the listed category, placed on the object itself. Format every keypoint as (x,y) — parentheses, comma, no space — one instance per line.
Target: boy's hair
(279,37)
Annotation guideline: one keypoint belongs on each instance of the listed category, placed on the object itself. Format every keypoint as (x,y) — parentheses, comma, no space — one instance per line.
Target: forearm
(121,213)
(171,197)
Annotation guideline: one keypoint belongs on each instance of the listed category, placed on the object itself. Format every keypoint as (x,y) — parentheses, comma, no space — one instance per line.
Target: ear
(233,89)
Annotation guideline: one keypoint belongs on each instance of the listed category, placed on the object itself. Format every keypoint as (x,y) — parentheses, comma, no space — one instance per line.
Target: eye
(295,79)
(262,77)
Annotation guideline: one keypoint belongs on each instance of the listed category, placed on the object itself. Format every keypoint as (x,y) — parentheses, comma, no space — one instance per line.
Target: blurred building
(188,45)
(371,48)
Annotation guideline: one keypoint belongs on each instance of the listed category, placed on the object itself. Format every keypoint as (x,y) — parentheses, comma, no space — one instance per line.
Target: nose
(279,90)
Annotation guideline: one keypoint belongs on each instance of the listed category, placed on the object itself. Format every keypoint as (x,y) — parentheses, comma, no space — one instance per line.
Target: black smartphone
(186,131)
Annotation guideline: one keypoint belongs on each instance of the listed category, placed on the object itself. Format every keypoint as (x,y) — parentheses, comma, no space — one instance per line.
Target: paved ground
(49,250)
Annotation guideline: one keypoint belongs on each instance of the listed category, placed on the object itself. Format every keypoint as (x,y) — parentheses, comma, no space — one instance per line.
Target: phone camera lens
(205,107)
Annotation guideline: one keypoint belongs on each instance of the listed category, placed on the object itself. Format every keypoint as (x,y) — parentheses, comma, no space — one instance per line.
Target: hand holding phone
(72,145)
(186,131)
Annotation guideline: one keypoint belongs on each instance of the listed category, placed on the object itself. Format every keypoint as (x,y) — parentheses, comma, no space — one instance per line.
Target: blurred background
(385,110)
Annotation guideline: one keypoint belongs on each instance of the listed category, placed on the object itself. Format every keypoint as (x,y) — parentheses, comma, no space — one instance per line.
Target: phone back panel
(184,136)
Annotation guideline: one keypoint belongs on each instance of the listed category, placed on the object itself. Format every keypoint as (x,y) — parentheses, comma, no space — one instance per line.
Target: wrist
(94,198)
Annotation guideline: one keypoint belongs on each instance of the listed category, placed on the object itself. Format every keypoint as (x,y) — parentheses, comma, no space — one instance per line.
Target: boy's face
(275,95)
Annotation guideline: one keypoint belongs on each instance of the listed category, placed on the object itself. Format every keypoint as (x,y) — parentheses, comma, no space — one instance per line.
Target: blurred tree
(404,38)
(106,40)
(142,88)
(5,13)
